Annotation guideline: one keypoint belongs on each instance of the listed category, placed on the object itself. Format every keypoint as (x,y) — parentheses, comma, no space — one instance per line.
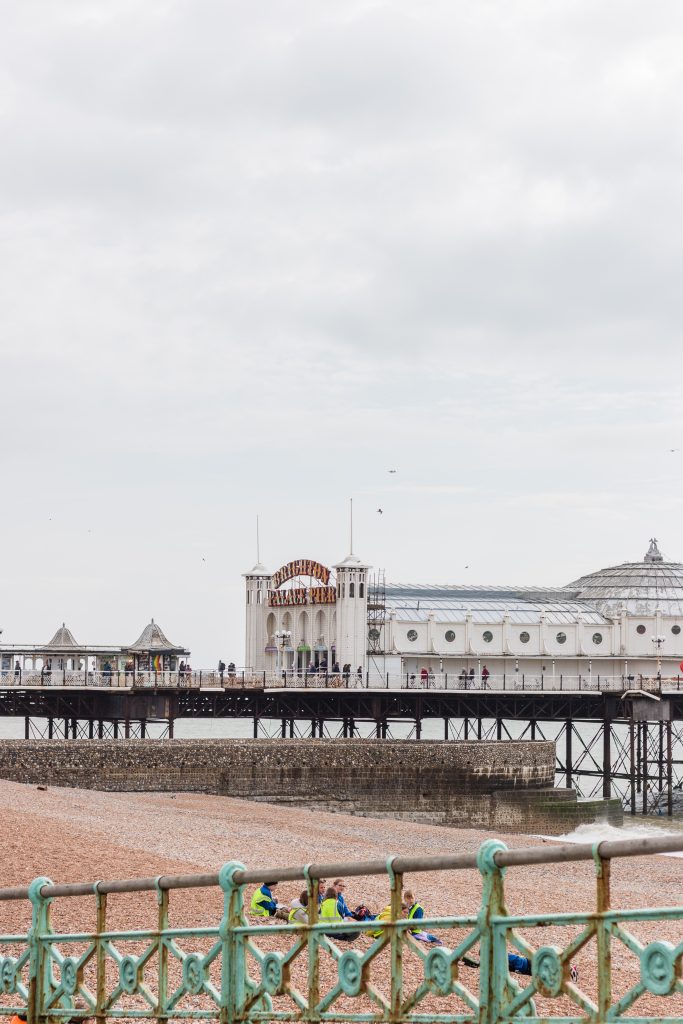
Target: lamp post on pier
(658,641)
(282,638)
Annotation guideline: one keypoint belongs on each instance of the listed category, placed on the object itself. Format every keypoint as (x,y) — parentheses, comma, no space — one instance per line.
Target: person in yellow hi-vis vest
(414,911)
(299,912)
(263,904)
(329,911)
(384,915)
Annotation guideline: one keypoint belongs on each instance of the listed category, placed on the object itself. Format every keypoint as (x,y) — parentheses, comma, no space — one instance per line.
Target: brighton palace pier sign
(323,593)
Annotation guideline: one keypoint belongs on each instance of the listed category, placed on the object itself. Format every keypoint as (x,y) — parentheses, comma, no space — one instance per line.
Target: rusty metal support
(633,766)
(645,767)
(606,755)
(669,769)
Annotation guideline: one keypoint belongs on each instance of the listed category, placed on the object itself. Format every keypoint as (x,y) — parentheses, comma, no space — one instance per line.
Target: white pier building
(619,622)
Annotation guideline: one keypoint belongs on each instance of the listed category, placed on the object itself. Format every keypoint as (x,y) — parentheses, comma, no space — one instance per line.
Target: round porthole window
(597,638)
(561,638)
(640,629)
(412,635)
(450,636)
(675,630)
(487,636)
(524,637)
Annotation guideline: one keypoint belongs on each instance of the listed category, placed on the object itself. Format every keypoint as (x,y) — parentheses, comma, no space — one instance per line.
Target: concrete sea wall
(502,785)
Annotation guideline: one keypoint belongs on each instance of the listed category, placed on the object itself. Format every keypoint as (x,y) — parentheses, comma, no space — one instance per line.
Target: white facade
(622,621)
(304,616)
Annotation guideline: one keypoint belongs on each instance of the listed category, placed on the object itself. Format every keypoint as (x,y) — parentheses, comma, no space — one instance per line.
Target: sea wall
(505,785)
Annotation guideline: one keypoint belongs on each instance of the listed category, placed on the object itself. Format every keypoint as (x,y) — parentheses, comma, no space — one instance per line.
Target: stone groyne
(503,785)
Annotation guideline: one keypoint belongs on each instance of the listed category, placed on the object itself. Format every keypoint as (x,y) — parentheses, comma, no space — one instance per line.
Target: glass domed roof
(641,587)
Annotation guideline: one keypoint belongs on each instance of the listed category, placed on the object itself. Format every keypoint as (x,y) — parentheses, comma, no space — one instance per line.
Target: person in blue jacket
(414,911)
(359,914)
(262,902)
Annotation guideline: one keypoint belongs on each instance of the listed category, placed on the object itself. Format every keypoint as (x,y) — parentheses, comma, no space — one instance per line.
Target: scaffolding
(377,613)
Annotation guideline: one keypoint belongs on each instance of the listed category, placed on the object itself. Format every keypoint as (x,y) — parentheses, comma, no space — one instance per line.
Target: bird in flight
(381,511)
(391,471)
(673,449)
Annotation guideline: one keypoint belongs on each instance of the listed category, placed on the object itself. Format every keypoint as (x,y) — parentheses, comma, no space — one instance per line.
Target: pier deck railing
(251,679)
(230,972)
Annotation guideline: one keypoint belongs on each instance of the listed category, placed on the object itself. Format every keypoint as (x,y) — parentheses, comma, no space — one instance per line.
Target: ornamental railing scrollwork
(245,969)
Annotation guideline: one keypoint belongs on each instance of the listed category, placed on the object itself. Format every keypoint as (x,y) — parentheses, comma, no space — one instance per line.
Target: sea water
(649,828)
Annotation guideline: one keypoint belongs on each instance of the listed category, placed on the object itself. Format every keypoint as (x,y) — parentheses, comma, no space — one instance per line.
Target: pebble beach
(73,835)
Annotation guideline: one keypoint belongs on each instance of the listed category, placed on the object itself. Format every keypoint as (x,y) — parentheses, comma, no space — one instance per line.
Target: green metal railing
(228,973)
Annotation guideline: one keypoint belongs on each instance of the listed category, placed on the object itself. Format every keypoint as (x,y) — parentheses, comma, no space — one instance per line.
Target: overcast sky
(254,255)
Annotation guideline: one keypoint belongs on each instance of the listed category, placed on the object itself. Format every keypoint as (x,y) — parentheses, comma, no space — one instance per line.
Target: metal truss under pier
(630,746)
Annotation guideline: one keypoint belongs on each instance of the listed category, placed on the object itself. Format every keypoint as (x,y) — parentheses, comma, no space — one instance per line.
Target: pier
(625,741)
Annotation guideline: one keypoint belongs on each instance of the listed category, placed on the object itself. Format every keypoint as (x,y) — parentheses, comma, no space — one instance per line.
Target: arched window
(352,589)
(361,590)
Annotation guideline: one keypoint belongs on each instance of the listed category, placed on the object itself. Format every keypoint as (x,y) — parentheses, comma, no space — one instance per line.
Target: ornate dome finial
(653,552)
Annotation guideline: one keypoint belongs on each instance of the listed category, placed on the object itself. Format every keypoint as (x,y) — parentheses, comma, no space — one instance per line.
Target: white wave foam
(599,830)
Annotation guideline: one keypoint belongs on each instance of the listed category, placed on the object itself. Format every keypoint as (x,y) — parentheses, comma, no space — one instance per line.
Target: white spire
(351,526)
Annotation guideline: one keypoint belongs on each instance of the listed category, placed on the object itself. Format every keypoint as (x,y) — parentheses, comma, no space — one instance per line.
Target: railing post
(161,1012)
(603,933)
(396,941)
(313,940)
(235,984)
(40,965)
(101,961)
(493,964)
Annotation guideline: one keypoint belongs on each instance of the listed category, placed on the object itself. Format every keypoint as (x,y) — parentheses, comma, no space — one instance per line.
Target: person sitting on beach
(263,904)
(329,911)
(339,885)
(414,911)
(299,912)
(520,965)
(361,913)
(384,915)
